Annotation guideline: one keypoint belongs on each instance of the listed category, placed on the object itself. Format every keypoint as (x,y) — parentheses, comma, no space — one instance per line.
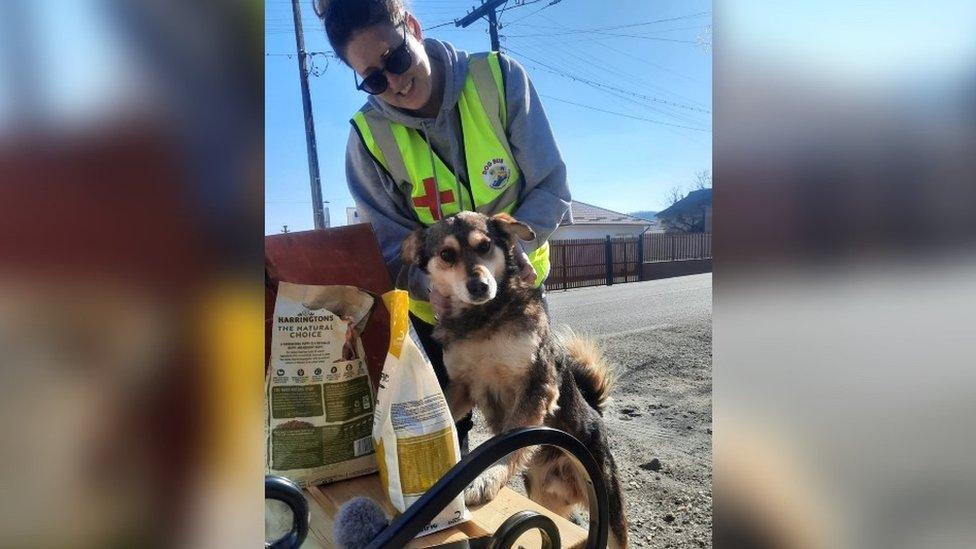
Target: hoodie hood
(455,65)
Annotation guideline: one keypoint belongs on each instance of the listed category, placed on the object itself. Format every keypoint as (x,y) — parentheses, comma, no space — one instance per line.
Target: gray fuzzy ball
(358,521)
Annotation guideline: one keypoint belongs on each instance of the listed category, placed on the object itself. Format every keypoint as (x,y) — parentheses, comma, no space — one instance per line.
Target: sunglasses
(397,62)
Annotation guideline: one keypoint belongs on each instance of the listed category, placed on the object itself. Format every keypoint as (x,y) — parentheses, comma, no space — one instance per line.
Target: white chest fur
(497,365)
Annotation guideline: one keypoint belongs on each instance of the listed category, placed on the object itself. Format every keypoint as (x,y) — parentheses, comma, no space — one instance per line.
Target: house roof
(588,214)
(690,203)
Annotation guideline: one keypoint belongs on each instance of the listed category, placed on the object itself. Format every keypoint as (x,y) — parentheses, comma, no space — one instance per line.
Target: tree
(674,195)
(703,180)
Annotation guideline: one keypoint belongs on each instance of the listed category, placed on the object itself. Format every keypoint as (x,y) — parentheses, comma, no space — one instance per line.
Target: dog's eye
(448,255)
(484,247)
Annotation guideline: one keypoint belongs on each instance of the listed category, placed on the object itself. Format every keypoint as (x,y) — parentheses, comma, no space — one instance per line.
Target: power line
(602,33)
(310,53)
(630,25)
(518,5)
(606,66)
(630,103)
(627,102)
(603,30)
(624,115)
(644,60)
(549,5)
(649,32)
(311,67)
(607,86)
(588,66)
(444,24)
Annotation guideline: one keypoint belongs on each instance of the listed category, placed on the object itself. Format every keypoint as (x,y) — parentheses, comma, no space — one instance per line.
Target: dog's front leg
(487,485)
(458,399)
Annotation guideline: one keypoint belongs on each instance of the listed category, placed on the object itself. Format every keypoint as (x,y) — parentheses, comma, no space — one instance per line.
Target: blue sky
(882,43)
(622,163)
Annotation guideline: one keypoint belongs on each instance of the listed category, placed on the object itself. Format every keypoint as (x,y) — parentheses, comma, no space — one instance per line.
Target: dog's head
(468,256)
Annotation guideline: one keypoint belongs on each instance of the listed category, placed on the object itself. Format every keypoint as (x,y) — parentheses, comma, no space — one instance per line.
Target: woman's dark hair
(342,18)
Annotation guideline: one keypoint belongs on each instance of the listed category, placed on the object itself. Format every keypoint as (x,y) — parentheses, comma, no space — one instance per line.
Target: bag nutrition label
(319,401)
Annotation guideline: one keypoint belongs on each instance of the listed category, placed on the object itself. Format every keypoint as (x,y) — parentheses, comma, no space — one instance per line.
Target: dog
(502,358)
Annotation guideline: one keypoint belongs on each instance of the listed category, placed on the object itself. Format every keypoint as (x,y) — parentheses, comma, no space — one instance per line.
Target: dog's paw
(486,486)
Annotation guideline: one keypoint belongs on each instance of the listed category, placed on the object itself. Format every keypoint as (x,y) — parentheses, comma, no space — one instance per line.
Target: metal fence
(598,261)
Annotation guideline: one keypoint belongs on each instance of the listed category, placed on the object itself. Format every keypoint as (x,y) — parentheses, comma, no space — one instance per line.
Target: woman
(442,132)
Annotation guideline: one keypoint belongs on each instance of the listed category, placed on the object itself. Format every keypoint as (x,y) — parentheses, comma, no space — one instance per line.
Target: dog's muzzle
(477,289)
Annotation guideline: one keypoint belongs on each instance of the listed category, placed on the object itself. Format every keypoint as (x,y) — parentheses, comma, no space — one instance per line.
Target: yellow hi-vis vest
(494,181)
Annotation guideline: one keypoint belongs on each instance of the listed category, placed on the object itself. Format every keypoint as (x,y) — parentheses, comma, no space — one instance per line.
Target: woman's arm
(380,203)
(545,199)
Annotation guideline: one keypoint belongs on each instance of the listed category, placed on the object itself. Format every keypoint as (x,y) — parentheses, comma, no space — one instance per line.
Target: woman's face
(367,51)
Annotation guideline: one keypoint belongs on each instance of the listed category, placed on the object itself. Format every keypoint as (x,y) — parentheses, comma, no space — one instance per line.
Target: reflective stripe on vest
(494,180)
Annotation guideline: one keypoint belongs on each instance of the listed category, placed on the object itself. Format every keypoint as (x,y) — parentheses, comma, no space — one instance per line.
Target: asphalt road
(634,308)
(657,337)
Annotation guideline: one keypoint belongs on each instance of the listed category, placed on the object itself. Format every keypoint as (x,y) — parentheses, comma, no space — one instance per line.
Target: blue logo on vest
(496,173)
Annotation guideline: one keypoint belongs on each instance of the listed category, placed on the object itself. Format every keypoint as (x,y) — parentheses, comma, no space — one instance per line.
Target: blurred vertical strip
(18,49)
(844,297)
(131,254)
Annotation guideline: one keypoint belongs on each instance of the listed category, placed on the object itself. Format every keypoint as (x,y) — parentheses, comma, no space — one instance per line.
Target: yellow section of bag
(396,302)
(424,459)
(381,463)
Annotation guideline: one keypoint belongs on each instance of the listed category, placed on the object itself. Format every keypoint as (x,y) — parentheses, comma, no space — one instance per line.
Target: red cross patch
(429,201)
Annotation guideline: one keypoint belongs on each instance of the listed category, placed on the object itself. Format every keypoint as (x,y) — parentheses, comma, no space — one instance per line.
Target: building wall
(352,216)
(569,232)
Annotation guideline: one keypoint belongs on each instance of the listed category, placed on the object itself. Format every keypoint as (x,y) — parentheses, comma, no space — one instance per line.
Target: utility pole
(493,31)
(313,154)
(486,8)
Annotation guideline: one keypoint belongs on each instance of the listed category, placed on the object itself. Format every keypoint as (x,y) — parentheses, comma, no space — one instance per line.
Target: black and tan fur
(502,358)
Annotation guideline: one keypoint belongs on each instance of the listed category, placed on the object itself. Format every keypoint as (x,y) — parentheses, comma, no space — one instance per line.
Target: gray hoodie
(544,198)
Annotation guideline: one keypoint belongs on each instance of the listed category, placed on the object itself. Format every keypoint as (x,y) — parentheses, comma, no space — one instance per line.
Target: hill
(645,214)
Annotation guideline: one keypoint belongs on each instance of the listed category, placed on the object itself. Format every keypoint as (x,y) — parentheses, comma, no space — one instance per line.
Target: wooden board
(324,502)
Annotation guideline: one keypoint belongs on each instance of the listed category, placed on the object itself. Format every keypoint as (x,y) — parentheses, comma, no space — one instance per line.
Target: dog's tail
(594,377)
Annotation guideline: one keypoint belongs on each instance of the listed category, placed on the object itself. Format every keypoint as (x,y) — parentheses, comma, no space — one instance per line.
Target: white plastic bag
(414,433)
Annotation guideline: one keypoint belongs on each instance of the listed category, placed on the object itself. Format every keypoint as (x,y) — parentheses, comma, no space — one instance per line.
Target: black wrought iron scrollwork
(286,491)
(418,515)
(520,523)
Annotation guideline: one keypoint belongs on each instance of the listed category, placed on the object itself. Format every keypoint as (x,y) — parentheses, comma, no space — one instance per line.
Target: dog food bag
(319,401)
(416,441)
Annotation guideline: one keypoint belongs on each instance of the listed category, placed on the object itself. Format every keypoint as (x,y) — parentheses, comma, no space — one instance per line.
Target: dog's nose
(477,287)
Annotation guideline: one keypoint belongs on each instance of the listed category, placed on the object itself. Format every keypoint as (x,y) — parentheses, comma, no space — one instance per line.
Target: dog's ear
(412,249)
(512,227)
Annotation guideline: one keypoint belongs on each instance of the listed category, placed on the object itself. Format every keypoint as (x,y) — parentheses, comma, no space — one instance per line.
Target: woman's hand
(526,270)
(440,303)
